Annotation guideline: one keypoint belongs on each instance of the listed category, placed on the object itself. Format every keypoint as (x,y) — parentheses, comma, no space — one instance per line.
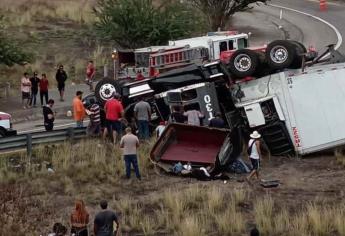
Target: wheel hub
(279,54)
(106,91)
(243,62)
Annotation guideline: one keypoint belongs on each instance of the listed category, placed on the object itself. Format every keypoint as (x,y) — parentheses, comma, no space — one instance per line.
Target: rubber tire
(2,133)
(103,98)
(300,46)
(255,62)
(300,49)
(291,54)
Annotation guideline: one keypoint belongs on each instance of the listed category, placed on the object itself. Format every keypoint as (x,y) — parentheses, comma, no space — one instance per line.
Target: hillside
(57,32)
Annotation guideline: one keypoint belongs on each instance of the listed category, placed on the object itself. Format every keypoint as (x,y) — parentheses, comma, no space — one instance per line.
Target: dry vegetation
(58,31)
(32,200)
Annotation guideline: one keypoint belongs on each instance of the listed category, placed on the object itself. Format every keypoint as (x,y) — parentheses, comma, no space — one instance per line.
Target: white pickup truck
(6,125)
(300,110)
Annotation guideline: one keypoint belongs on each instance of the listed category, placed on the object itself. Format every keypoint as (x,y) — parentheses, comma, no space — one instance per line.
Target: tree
(10,51)
(140,23)
(218,12)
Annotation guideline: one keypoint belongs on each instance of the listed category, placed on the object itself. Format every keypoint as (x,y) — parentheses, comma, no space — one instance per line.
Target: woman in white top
(254,154)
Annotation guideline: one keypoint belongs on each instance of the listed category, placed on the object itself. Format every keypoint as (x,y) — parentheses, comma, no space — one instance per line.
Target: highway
(335,15)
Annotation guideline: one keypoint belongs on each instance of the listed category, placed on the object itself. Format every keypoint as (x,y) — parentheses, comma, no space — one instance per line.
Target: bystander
(48,115)
(78,109)
(44,84)
(34,89)
(113,113)
(104,221)
(130,143)
(61,77)
(142,111)
(25,87)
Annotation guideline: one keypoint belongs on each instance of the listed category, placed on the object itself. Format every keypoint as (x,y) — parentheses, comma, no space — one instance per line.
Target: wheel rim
(106,91)
(242,62)
(279,54)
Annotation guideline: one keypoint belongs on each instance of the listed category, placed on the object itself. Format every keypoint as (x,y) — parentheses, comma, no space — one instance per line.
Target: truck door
(219,47)
(266,116)
(254,115)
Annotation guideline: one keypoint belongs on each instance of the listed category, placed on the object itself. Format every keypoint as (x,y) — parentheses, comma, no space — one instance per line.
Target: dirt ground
(51,196)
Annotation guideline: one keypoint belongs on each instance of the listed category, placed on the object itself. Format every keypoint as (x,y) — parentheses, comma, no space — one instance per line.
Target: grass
(167,206)
(29,11)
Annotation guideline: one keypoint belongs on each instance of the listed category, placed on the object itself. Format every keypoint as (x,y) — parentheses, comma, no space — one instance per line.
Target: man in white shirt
(130,144)
(25,87)
(254,154)
(160,128)
(193,117)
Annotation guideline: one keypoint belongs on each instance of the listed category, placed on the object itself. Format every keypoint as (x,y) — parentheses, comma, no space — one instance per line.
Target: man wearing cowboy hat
(254,153)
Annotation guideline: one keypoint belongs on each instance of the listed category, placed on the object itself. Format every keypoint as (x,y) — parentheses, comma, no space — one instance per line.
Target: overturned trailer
(298,111)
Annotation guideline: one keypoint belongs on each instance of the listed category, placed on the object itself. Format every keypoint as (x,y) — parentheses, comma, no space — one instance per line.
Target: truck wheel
(2,134)
(280,54)
(105,89)
(300,46)
(300,50)
(243,62)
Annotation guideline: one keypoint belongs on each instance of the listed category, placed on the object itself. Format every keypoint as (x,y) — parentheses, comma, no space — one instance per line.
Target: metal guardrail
(27,141)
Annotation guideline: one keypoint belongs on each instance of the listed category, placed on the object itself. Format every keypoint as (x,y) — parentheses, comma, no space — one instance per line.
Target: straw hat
(255,135)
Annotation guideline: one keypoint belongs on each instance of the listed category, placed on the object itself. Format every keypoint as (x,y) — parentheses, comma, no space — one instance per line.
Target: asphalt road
(335,15)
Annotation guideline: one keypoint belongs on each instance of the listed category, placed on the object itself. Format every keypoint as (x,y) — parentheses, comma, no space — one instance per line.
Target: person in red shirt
(113,114)
(90,74)
(44,84)
(139,76)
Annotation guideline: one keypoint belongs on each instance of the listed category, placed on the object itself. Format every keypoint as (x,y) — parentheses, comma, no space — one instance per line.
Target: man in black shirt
(48,115)
(217,122)
(176,115)
(34,88)
(104,220)
(61,77)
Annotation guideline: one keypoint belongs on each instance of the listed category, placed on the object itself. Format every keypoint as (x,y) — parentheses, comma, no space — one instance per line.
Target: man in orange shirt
(78,109)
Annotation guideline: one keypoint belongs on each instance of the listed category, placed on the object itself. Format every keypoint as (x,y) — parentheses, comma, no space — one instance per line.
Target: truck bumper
(11,132)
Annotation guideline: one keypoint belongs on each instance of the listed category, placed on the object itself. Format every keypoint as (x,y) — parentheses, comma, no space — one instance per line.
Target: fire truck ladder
(177,57)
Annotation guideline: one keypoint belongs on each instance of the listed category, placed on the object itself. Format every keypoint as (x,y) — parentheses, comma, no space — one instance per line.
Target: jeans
(131,159)
(143,128)
(49,126)
(33,97)
(79,123)
(45,95)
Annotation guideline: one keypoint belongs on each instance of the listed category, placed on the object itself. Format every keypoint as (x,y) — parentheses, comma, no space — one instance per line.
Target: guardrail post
(29,147)
(105,71)
(7,89)
(70,133)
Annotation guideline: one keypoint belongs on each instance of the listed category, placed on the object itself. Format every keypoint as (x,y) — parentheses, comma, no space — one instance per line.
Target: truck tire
(105,89)
(300,46)
(280,54)
(300,50)
(2,133)
(244,62)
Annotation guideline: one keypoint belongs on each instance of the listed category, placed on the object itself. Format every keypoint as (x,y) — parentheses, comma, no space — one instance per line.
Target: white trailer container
(305,108)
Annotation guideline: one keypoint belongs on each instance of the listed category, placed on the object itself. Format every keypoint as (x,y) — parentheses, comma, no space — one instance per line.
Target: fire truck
(157,59)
